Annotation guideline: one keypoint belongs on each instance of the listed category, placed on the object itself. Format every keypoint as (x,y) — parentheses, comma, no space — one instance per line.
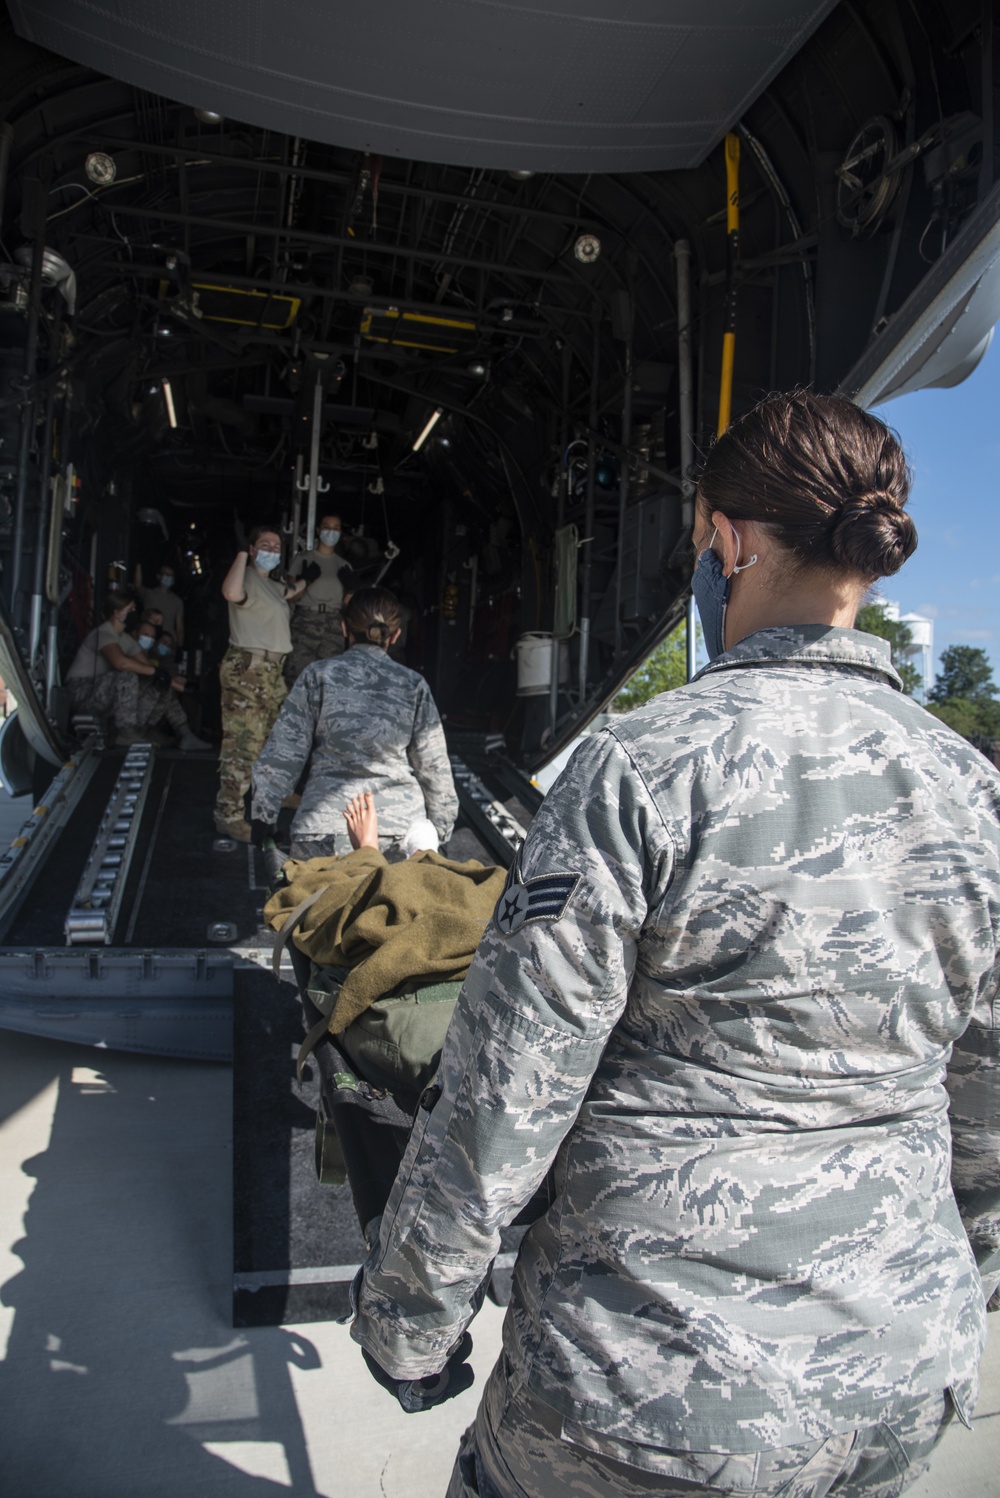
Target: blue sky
(952,439)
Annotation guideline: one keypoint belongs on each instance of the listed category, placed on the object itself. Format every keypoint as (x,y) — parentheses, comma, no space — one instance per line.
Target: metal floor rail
(92,916)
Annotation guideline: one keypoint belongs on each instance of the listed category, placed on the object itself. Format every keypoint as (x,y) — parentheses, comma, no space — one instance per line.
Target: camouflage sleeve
(428,756)
(547,985)
(283,758)
(974,1090)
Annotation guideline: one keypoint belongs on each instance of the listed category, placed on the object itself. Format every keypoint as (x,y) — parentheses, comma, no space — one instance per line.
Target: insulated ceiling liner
(557,85)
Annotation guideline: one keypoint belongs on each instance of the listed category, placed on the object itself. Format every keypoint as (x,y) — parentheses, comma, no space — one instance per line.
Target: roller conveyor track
(94,912)
(497,799)
(168,932)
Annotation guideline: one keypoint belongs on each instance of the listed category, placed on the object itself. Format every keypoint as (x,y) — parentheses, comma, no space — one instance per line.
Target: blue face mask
(266,561)
(710,587)
(145,641)
(163,650)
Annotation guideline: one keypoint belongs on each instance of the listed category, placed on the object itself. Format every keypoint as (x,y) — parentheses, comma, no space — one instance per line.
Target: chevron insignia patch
(524,900)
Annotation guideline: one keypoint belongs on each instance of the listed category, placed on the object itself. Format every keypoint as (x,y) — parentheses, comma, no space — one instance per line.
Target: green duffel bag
(396,1042)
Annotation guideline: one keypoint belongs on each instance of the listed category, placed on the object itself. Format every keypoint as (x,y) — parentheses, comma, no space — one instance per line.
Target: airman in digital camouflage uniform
(747,955)
(362,721)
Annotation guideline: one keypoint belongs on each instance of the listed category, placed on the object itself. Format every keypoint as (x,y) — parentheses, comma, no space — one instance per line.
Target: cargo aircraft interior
(485,281)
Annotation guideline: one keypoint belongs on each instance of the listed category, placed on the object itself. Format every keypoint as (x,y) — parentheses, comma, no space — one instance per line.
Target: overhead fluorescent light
(432,422)
(168,396)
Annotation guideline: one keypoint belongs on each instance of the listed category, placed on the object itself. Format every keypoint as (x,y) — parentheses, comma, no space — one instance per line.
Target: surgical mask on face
(163,650)
(267,560)
(166,580)
(146,641)
(329,538)
(711,588)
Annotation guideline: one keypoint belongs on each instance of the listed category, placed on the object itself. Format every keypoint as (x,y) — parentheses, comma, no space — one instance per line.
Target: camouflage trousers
(251,694)
(520,1448)
(315,637)
(132,700)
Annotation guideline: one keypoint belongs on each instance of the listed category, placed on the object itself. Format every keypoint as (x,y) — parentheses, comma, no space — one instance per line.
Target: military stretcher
(361,1128)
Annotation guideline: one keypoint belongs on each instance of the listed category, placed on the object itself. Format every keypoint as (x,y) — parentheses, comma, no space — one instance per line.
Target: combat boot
(238,831)
(191,743)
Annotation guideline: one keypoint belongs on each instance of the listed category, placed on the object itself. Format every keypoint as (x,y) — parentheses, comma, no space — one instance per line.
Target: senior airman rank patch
(524,900)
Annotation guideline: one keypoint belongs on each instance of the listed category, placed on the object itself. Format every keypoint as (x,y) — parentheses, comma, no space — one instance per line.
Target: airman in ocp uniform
(250,678)
(316,629)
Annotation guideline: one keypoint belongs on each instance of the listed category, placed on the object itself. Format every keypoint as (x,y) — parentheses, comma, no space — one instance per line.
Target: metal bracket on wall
(28,851)
(98,899)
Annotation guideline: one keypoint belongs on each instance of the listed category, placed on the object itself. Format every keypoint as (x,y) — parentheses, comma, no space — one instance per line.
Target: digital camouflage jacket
(748,952)
(368,723)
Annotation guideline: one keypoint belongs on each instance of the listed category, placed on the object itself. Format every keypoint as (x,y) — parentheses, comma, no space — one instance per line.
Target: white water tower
(920,651)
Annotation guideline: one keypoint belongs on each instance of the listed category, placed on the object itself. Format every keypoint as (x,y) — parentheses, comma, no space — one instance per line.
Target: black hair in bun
(372,616)
(872,535)
(829,480)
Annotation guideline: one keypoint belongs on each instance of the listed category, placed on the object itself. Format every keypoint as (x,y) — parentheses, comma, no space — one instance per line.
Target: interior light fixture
(209,116)
(168,396)
(432,422)
(100,168)
(587,248)
(520,176)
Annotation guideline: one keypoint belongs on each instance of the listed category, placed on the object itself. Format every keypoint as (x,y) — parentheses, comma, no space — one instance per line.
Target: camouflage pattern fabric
(368,723)
(746,930)
(316,636)
(518,1447)
(251,695)
(134,702)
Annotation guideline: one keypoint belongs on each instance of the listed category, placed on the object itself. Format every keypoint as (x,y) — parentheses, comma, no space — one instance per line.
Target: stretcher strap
(324,1002)
(291,921)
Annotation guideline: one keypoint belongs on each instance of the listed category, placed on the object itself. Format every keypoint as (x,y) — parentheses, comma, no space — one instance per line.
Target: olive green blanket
(390,924)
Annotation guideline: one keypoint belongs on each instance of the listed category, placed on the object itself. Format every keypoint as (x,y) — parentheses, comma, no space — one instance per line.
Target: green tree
(874,620)
(965,696)
(660,672)
(965,672)
(976,720)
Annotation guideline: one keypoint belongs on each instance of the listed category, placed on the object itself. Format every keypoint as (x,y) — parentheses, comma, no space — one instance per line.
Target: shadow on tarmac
(121,1361)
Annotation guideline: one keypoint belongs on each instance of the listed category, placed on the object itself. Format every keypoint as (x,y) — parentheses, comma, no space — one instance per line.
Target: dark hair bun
(372,615)
(873,535)
(828,480)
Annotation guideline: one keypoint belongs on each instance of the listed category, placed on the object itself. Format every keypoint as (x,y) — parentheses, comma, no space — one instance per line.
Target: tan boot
(238,831)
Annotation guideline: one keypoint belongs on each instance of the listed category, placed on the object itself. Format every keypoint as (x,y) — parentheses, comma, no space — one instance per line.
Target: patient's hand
(362,820)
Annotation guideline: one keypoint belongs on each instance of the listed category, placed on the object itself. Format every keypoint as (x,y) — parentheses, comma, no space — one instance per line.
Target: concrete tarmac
(121,1376)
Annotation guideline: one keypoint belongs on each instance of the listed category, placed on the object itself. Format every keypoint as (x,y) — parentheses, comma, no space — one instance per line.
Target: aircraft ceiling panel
(564,86)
